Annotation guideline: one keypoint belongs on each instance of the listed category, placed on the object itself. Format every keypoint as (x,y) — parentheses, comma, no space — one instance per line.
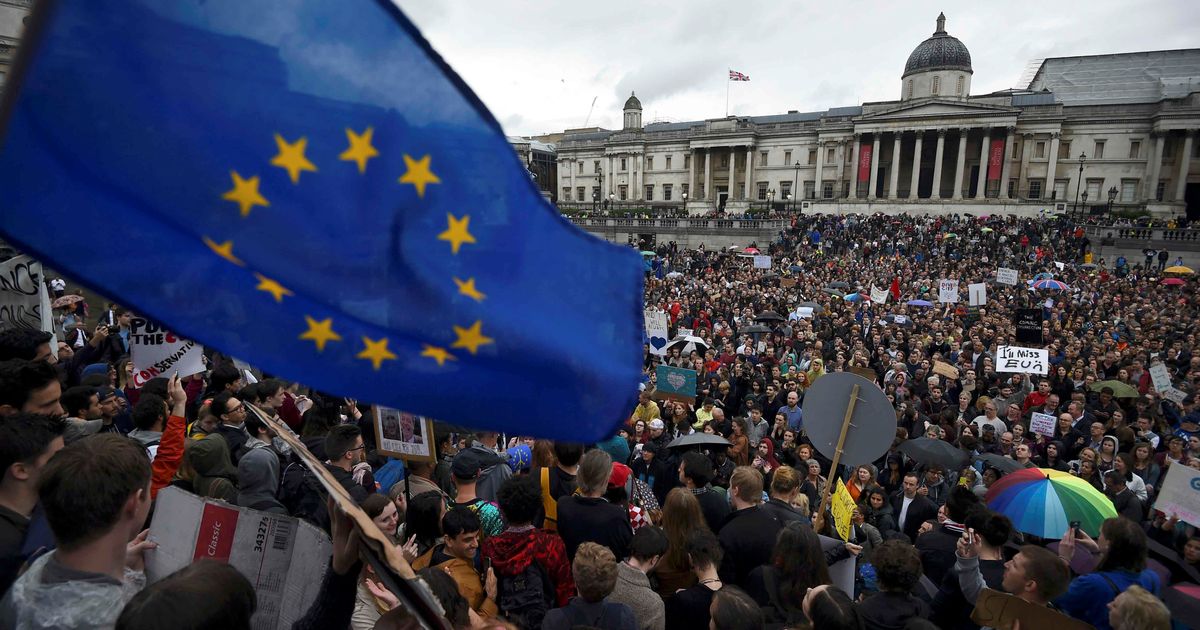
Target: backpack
(525,598)
(302,495)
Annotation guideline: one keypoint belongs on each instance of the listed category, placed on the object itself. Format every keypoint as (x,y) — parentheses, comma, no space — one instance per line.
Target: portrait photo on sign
(402,434)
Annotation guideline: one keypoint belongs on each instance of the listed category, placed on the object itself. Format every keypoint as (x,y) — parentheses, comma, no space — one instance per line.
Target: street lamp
(770,200)
(684,202)
(612,200)
(796,182)
(791,203)
(1079,184)
(1084,208)
(1112,196)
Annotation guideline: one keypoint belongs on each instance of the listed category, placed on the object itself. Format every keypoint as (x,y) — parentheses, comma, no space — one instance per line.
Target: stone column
(981,180)
(1006,171)
(853,168)
(841,168)
(574,166)
(1023,176)
(895,178)
(691,175)
(612,176)
(962,164)
(749,171)
(936,193)
(731,195)
(915,177)
(1154,166)
(871,185)
(820,170)
(707,174)
(1052,167)
(1185,163)
(635,176)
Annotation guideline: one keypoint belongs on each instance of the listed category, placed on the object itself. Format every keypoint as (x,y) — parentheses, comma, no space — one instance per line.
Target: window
(725,161)
(1035,188)
(1064,150)
(649,162)
(762,158)
(1098,151)
(937,83)
(683,190)
(787,157)
(958,89)
(910,88)
(667,191)
(1012,188)
(812,156)
(1060,189)
(623,165)
(808,189)
(596,166)
(1135,147)
(668,158)
(785,189)
(580,171)
(1094,188)
(762,191)
(831,155)
(566,193)
(827,190)
(1128,190)
(622,191)
(650,192)
(1039,150)
(579,193)
(687,161)
(1160,190)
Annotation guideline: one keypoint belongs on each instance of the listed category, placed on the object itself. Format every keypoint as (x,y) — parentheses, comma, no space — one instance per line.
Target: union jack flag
(734,75)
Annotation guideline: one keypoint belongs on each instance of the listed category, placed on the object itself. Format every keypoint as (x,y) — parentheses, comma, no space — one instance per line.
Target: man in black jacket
(749,532)
(1123,499)
(588,517)
(911,509)
(938,545)
(695,472)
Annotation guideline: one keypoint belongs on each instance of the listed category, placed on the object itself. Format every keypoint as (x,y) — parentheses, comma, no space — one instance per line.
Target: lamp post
(684,203)
(770,200)
(612,201)
(1079,184)
(1112,196)
(796,183)
(1084,202)
(791,204)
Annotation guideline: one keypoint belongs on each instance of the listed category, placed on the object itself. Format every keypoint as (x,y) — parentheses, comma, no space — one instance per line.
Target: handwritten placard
(945,369)
(1042,424)
(947,291)
(1022,360)
(1004,275)
(977,294)
(656,331)
(1160,376)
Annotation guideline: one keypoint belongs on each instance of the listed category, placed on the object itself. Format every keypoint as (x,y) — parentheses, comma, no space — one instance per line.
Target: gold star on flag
(418,174)
(270,286)
(376,352)
(291,157)
(320,332)
(437,354)
(360,148)
(471,338)
(457,233)
(224,250)
(245,193)
(467,288)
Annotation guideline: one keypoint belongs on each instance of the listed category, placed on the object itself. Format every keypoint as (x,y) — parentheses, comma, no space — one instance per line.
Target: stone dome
(940,52)
(634,103)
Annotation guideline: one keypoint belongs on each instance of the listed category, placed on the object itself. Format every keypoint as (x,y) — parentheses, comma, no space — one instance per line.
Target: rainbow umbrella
(1044,502)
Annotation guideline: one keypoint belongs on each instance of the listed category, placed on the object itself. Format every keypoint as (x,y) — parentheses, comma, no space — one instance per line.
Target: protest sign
(403,435)
(945,369)
(842,505)
(1022,360)
(805,312)
(1180,494)
(656,331)
(1060,265)
(879,296)
(947,290)
(1160,376)
(1175,395)
(283,557)
(842,572)
(684,332)
(673,383)
(1029,325)
(998,610)
(762,262)
(977,294)
(156,351)
(24,299)
(787,283)
(1004,275)
(1042,424)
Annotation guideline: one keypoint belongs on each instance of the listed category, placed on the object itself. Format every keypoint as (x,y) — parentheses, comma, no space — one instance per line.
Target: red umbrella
(750,250)
(1173,282)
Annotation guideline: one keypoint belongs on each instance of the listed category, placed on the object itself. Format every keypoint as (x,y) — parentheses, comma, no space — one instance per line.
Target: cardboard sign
(948,291)
(403,435)
(945,369)
(787,283)
(656,331)
(842,505)
(1004,275)
(804,312)
(283,557)
(1059,265)
(977,294)
(1022,360)
(999,610)
(1160,376)
(1029,325)
(1175,395)
(156,351)
(842,572)
(673,383)
(879,296)
(24,299)
(762,262)
(1180,494)
(1042,424)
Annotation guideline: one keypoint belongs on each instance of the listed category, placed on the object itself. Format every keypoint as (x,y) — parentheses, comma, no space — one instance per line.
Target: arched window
(937,83)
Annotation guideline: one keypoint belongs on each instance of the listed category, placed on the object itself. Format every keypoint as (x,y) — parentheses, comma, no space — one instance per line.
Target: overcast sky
(538,65)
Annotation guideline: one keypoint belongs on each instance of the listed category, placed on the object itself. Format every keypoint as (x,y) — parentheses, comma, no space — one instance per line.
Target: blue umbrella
(853,297)
(1045,275)
(919,303)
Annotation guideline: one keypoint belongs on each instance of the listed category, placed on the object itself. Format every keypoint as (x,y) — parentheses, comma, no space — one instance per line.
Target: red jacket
(169,455)
(511,552)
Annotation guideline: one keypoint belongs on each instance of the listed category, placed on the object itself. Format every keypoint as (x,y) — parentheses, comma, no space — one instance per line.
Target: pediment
(939,109)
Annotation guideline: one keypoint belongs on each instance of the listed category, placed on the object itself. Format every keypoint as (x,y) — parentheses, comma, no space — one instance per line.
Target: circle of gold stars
(291,158)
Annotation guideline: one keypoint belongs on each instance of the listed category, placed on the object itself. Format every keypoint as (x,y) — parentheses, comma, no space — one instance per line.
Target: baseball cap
(657,424)
(466,465)
(620,475)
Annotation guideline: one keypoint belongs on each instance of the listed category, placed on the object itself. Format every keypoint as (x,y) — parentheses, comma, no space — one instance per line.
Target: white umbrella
(687,344)
(674,274)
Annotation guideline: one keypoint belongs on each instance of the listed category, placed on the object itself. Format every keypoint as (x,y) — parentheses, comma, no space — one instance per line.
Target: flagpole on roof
(728,80)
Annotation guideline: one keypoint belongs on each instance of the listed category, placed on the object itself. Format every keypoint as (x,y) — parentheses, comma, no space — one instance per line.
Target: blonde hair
(1139,610)
(785,481)
(749,484)
(595,572)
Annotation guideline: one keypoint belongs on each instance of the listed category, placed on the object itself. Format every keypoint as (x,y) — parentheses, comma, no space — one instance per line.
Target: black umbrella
(699,439)
(832,291)
(754,329)
(769,316)
(903,321)
(816,308)
(999,462)
(930,451)
(839,285)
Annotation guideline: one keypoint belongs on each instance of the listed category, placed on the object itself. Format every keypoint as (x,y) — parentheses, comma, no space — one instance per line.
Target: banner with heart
(656,331)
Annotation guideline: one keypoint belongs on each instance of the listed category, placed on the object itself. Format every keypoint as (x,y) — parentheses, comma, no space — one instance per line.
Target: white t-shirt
(904,512)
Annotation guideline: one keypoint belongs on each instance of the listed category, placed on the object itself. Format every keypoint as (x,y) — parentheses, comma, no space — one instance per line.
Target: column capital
(1011,129)
(857,136)
(1027,135)
(941,133)
(1057,135)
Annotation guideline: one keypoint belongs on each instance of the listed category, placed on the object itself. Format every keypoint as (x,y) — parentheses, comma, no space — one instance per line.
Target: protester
(595,573)
(587,516)
(633,589)
(1122,545)
(899,569)
(466,472)
(689,608)
(696,473)
(748,534)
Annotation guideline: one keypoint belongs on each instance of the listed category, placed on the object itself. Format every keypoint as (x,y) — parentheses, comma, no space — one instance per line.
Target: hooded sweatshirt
(50,595)
(258,478)
(215,475)
(513,550)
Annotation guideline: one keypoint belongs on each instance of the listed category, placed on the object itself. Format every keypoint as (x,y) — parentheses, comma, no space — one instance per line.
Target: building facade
(1081,133)
(14,14)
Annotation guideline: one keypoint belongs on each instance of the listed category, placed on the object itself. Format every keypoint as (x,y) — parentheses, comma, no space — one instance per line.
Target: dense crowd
(635,531)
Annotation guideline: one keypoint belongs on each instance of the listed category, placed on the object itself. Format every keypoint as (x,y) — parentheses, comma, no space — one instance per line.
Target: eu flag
(306,185)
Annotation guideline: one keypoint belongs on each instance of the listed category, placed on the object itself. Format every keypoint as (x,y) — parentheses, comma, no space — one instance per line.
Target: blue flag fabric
(307,186)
